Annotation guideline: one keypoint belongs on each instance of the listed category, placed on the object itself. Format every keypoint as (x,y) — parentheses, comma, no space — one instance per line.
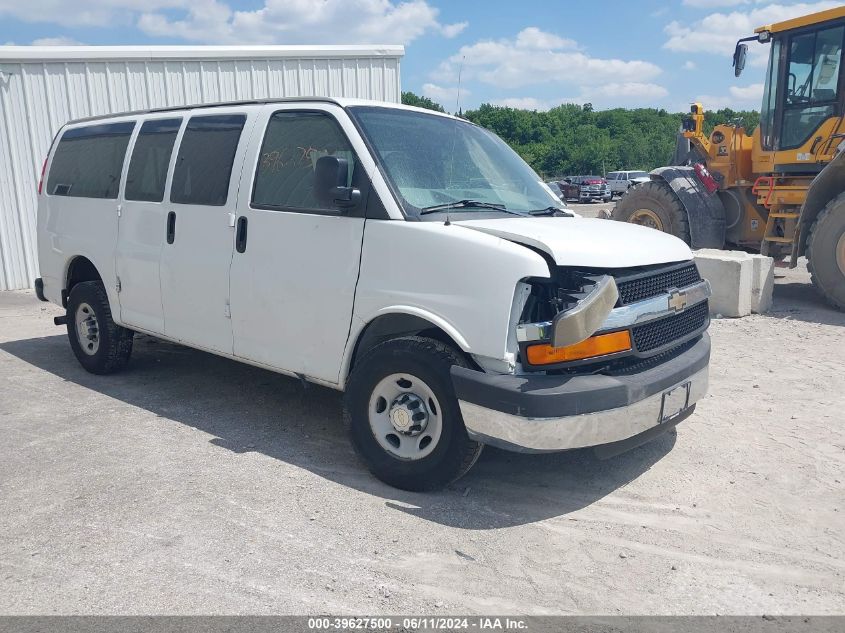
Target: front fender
(705,211)
(825,187)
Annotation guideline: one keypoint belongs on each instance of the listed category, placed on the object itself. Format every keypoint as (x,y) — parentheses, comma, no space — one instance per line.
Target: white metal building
(43,87)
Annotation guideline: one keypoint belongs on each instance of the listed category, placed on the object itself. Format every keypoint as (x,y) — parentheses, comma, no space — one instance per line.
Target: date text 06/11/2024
(417,623)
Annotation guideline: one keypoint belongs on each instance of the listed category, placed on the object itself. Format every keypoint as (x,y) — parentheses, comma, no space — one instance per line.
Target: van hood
(588,242)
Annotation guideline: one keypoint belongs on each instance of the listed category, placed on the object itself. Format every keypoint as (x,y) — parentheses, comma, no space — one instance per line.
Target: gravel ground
(192,484)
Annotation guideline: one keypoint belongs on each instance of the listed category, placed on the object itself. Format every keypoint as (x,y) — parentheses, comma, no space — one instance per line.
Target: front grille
(644,286)
(674,328)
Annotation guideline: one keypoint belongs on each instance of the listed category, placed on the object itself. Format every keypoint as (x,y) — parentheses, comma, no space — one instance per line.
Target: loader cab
(803,93)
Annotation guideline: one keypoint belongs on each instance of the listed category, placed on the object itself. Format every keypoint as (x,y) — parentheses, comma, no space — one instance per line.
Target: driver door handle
(171,227)
(240,234)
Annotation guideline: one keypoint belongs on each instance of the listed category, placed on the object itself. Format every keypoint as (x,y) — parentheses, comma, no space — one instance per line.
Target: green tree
(574,139)
(411,99)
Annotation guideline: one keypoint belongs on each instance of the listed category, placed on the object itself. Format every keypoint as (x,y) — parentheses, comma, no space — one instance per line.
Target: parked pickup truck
(408,258)
(585,188)
(620,181)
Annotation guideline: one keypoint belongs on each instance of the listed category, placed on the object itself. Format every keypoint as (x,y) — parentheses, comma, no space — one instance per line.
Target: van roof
(343,102)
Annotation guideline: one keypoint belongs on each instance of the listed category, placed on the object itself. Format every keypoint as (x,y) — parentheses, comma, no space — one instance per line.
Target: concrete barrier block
(762,283)
(731,277)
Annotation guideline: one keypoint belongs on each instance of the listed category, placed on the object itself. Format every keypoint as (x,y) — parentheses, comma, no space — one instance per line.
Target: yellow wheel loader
(780,190)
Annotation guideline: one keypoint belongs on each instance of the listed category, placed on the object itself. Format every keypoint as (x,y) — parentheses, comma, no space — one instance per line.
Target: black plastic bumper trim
(558,396)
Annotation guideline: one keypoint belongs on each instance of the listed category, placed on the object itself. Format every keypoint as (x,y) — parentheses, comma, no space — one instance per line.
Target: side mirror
(330,188)
(740,53)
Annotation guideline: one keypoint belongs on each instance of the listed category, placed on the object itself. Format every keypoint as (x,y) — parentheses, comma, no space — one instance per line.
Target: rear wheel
(655,205)
(100,345)
(403,417)
(826,252)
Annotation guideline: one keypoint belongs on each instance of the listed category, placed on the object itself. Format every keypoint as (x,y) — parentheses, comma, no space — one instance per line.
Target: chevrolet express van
(406,257)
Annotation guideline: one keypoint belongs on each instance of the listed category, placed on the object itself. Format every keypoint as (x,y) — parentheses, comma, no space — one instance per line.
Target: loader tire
(655,205)
(826,252)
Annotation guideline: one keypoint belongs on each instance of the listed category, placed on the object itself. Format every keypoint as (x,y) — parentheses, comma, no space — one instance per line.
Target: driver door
(296,263)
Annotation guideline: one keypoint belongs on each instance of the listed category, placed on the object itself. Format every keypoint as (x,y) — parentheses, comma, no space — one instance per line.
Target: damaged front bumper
(542,413)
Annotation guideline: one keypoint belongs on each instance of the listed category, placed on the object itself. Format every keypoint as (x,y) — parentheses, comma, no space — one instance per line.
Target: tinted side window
(205,159)
(150,160)
(88,161)
(292,144)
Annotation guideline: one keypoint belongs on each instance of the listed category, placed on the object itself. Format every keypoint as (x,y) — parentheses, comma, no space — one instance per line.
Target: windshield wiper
(463,204)
(551,211)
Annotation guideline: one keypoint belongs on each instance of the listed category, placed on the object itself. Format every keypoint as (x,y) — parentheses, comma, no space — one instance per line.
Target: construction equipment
(780,190)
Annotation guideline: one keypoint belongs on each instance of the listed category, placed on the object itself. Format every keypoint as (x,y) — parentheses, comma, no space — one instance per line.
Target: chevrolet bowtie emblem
(677,300)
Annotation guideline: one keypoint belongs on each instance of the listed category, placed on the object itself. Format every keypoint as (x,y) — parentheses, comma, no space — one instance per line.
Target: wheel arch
(705,211)
(79,268)
(394,322)
(825,187)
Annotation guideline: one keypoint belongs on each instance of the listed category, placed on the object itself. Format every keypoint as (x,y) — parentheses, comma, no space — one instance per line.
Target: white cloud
(274,21)
(88,13)
(534,38)
(56,41)
(738,98)
(711,4)
(451,30)
(445,95)
(537,57)
(689,65)
(753,92)
(302,21)
(717,33)
(606,95)
(628,92)
(526,103)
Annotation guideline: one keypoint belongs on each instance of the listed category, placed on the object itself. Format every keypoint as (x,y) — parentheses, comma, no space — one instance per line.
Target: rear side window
(293,143)
(205,159)
(89,160)
(150,160)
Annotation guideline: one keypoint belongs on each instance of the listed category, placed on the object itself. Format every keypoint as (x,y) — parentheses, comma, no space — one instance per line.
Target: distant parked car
(585,188)
(621,181)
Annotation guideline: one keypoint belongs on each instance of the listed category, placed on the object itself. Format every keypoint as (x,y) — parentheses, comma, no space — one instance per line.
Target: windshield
(432,160)
(637,174)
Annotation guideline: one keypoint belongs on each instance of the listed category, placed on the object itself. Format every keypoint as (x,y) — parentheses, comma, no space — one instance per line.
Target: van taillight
(41,180)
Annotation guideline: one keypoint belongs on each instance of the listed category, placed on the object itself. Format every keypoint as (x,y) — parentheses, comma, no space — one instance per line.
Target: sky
(529,53)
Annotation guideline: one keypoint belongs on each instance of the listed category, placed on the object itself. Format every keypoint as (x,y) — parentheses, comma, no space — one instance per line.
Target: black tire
(430,361)
(827,234)
(657,197)
(113,342)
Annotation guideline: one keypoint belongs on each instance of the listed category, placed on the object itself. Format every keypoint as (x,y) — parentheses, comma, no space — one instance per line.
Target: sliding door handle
(171,227)
(240,235)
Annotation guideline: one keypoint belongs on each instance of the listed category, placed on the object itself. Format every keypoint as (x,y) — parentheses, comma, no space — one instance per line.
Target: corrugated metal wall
(38,96)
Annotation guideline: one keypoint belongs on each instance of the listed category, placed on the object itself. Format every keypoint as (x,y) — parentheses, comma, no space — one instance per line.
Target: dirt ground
(192,484)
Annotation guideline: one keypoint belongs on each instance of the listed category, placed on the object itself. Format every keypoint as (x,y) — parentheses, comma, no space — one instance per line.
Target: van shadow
(250,409)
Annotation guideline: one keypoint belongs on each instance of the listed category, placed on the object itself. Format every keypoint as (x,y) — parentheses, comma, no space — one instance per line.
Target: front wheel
(100,345)
(826,252)
(655,205)
(403,417)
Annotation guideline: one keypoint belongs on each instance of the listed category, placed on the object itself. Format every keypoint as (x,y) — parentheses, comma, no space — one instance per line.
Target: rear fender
(705,211)
(825,187)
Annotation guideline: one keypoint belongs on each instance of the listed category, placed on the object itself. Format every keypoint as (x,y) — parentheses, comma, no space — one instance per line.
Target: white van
(408,258)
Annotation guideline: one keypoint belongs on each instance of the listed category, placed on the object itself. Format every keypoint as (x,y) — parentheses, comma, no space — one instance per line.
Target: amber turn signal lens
(601,345)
